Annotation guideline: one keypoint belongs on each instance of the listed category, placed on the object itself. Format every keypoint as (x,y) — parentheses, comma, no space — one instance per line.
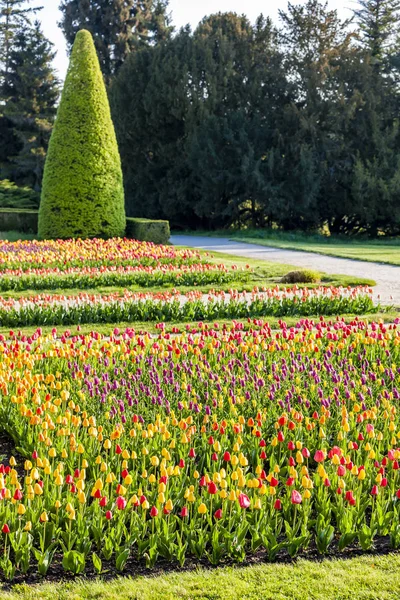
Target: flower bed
(173,306)
(66,254)
(211,444)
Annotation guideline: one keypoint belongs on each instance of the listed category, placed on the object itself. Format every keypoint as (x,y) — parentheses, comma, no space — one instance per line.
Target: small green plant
(302,276)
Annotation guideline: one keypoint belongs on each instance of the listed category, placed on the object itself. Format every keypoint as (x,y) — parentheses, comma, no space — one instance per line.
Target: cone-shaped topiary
(82,192)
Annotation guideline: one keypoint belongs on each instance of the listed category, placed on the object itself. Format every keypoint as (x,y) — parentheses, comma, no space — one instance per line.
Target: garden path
(387,277)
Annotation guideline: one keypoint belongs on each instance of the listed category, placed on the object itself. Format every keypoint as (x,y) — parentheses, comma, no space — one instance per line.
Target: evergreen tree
(13,15)
(378,21)
(117,26)
(82,193)
(32,94)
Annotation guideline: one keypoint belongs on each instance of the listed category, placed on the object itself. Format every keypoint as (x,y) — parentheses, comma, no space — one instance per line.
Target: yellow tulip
(202,509)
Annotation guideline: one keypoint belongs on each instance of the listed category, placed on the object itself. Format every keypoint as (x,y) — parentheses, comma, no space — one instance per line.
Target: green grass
(387,251)
(363,578)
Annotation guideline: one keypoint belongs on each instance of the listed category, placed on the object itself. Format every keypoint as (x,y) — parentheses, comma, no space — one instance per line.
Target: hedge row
(146,230)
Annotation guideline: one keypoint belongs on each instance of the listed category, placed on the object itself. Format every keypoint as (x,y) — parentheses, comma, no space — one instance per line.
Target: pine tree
(117,26)
(82,193)
(31,95)
(13,14)
(379,22)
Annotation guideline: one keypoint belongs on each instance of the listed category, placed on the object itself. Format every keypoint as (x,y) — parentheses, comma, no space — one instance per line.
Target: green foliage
(12,196)
(24,221)
(246,125)
(146,230)
(82,193)
(302,276)
(118,27)
(31,93)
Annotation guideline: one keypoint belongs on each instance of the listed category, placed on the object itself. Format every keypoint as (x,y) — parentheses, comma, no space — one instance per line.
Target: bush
(24,221)
(146,230)
(303,276)
(12,196)
(82,193)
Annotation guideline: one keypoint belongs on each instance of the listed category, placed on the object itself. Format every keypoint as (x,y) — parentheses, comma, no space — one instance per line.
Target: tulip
(374,491)
(218,514)
(244,501)
(108,515)
(319,456)
(120,503)
(184,512)
(153,511)
(296,497)
(5,529)
(202,509)
(212,488)
(277,504)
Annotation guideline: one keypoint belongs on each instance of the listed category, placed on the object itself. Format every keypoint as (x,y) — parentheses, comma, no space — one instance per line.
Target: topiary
(303,276)
(82,191)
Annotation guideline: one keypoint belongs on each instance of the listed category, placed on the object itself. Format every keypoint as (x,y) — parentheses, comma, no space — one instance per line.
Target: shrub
(146,230)
(303,276)
(12,196)
(82,193)
(24,221)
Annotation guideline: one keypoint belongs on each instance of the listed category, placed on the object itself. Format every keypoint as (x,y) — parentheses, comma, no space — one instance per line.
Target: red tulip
(290,481)
(226,457)
(108,515)
(218,514)
(121,503)
(103,501)
(319,456)
(153,511)
(306,453)
(278,504)
(184,512)
(212,488)
(291,446)
(281,437)
(274,482)
(327,483)
(6,529)
(374,491)
(97,494)
(17,495)
(181,463)
(296,497)
(341,471)
(118,449)
(244,501)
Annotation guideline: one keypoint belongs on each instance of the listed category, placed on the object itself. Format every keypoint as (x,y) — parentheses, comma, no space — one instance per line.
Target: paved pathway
(387,277)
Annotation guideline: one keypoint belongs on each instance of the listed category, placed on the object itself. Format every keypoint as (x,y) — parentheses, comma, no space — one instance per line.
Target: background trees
(118,27)
(292,124)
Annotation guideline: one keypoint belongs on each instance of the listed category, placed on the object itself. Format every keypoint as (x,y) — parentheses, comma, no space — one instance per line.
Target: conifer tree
(378,21)
(82,193)
(31,93)
(117,26)
(13,14)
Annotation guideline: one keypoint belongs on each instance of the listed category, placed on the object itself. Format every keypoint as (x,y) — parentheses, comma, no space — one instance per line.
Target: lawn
(362,578)
(385,251)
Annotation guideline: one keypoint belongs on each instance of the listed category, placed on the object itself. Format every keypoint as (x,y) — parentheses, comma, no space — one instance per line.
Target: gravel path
(387,277)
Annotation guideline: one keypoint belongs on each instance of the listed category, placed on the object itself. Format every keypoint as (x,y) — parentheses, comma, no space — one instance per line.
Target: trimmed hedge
(82,193)
(146,230)
(25,221)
